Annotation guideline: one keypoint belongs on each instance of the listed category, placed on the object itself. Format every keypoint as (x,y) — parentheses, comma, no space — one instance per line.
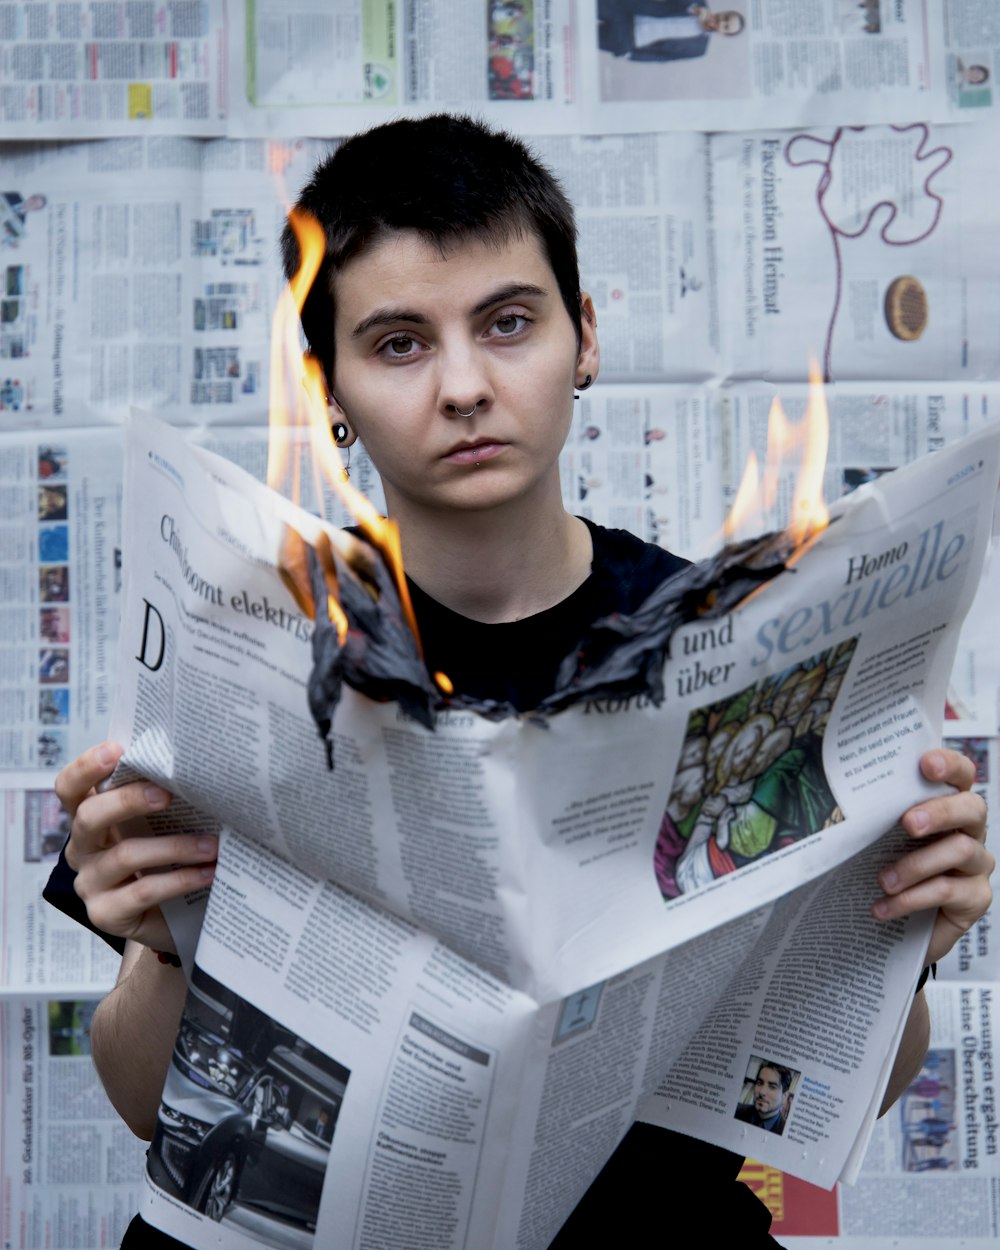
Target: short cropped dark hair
(446,177)
(784,1074)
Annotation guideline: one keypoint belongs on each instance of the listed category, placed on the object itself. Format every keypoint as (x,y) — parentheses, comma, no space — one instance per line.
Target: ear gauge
(587,381)
(342,434)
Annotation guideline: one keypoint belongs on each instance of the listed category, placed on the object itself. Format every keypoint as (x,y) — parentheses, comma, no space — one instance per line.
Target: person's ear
(588,360)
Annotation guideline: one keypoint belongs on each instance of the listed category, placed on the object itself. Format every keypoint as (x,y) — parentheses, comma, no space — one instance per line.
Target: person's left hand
(950,867)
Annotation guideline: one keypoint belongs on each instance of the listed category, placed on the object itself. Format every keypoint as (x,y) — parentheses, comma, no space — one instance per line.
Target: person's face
(767,1093)
(421,337)
(802,697)
(725,22)
(743,750)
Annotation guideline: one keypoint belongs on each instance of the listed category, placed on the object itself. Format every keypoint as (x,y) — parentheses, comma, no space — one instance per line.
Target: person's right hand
(123,880)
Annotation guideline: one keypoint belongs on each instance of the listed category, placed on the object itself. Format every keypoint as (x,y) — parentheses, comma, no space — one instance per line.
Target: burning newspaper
(415,971)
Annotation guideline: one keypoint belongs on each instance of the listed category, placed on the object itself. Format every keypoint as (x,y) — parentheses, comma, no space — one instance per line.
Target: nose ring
(460,413)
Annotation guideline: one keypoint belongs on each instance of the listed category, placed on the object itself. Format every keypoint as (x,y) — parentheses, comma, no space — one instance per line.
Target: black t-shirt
(517,662)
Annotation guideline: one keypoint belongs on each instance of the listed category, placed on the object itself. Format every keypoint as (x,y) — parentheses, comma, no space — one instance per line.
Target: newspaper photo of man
(671,49)
(768,1091)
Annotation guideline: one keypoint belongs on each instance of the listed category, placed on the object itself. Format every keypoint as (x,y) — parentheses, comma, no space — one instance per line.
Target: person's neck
(499,565)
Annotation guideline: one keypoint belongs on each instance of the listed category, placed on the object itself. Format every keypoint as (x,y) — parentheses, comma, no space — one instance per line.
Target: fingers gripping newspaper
(432,987)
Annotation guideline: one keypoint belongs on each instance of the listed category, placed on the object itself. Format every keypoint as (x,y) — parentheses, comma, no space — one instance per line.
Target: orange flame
(336,614)
(298,413)
(808,441)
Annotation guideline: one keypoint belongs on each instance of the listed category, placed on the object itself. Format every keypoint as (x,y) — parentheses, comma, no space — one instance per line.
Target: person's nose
(465,383)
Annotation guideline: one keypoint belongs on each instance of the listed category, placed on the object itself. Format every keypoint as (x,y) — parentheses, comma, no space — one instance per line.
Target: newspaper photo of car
(247,1117)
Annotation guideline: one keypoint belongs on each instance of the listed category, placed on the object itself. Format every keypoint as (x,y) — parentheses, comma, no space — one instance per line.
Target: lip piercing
(460,413)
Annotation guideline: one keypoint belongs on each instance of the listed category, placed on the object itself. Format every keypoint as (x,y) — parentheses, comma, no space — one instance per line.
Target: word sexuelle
(874,583)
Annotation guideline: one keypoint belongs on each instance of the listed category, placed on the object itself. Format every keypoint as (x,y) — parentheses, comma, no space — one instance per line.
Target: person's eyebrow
(504,294)
(386,317)
(393,316)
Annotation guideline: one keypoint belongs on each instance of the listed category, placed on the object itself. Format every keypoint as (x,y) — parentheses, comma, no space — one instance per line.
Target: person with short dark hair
(770,1090)
(453,334)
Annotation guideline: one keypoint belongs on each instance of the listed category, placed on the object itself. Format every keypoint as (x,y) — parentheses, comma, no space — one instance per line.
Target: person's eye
(508,325)
(398,347)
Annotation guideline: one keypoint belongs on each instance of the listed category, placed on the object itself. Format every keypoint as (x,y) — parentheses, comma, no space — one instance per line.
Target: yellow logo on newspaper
(140,101)
(768,1184)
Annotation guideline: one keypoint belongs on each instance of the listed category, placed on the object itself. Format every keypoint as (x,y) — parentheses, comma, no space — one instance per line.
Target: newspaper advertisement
(111,69)
(626,867)
(68,1166)
(861,246)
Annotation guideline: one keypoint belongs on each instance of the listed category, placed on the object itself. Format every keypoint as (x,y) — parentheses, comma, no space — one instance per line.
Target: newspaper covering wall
(69,1167)
(304,68)
(206,599)
(607,66)
(267,67)
(777,63)
(857,244)
(148,269)
(147,274)
(60,520)
(42,950)
(103,307)
(709,258)
(86,69)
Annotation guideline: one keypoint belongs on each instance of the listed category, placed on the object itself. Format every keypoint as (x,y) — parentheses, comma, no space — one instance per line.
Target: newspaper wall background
(142,268)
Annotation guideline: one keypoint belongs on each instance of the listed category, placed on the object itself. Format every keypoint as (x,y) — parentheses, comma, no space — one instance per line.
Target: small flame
(444,683)
(807,440)
(298,414)
(336,614)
